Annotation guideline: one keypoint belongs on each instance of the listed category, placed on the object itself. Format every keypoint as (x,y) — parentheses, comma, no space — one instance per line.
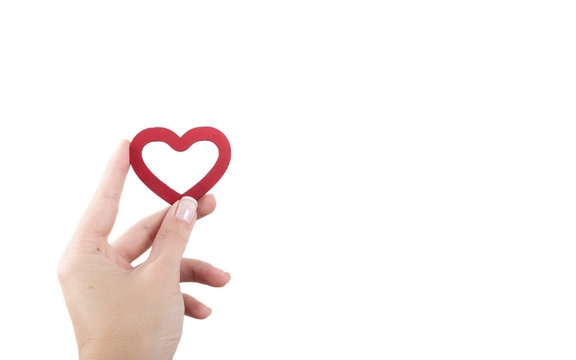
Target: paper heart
(180,144)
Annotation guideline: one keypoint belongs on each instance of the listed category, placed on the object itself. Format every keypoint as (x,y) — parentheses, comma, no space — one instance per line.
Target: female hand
(122,312)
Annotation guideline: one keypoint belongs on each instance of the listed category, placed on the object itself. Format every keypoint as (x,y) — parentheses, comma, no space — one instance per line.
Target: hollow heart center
(180,170)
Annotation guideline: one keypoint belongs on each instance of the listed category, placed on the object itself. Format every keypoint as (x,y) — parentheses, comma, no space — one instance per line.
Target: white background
(402,183)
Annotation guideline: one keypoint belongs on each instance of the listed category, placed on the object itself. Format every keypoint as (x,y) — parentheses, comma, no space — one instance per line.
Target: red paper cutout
(180,144)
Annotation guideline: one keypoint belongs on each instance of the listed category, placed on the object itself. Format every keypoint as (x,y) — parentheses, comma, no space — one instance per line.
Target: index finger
(99,217)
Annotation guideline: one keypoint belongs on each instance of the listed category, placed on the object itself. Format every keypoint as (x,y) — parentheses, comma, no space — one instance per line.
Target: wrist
(125,349)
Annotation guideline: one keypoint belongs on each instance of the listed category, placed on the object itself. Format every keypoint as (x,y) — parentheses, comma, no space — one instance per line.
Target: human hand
(125,312)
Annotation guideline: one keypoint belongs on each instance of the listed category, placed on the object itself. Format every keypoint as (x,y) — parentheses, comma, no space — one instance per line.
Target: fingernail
(186,209)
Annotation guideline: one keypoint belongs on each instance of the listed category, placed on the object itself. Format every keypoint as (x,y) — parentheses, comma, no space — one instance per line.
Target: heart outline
(180,143)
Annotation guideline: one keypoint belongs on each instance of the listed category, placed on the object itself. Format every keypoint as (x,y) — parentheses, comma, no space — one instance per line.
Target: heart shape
(180,144)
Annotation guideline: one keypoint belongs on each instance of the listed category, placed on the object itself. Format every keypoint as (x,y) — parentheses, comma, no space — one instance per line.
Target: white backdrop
(402,183)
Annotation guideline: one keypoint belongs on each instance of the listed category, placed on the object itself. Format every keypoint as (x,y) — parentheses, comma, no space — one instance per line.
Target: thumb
(173,235)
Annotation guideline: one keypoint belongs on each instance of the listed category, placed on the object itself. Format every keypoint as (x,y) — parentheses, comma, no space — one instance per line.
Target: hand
(122,312)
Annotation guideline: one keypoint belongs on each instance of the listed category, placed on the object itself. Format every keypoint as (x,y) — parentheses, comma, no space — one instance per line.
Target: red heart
(180,144)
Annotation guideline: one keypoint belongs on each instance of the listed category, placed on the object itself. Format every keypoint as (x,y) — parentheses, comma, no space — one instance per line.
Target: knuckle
(188,273)
(174,234)
(70,265)
(88,230)
(161,271)
(64,269)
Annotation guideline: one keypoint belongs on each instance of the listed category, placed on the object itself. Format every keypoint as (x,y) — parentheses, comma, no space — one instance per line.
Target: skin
(123,312)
